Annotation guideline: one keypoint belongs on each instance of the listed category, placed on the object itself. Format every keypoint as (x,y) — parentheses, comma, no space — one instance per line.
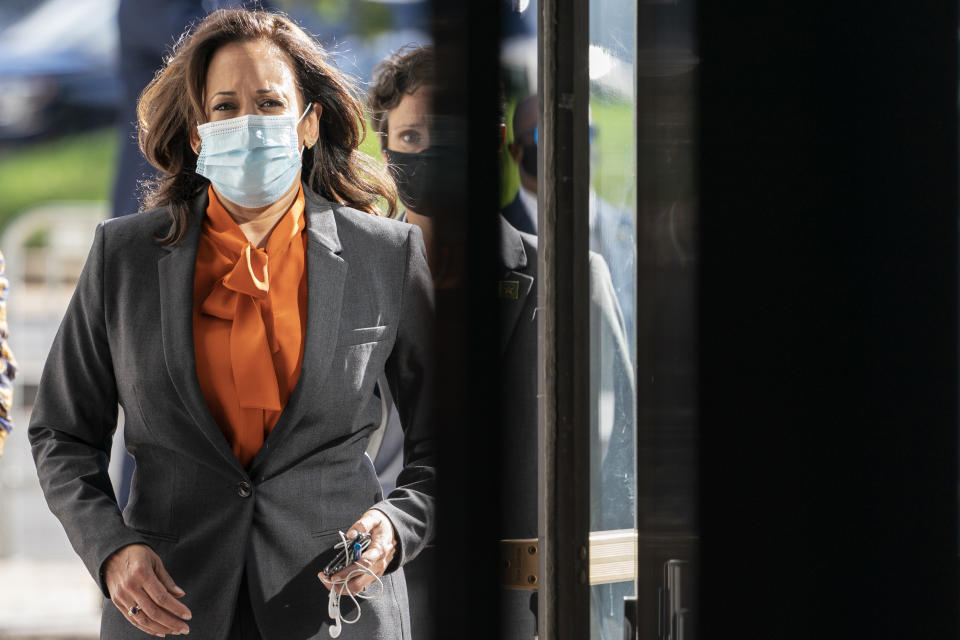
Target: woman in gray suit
(242,323)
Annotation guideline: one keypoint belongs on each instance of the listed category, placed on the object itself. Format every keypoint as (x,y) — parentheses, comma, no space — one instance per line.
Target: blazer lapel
(176,270)
(516,285)
(326,274)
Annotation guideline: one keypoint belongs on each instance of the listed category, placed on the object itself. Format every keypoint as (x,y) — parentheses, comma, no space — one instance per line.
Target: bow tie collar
(241,295)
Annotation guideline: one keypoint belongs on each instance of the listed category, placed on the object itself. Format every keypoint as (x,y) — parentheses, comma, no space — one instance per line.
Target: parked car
(58,70)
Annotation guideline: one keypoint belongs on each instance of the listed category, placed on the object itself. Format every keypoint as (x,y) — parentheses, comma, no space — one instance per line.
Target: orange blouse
(249,322)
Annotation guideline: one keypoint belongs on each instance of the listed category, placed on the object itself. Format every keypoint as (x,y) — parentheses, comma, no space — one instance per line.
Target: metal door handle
(671,595)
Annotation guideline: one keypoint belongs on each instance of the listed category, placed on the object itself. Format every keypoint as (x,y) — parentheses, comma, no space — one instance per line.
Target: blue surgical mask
(251,160)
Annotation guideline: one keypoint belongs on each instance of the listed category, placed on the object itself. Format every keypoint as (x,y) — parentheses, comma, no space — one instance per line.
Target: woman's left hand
(377,557)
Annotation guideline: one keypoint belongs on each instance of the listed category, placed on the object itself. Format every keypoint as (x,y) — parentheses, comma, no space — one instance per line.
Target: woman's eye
(223,106)
(271,104)
(410,137)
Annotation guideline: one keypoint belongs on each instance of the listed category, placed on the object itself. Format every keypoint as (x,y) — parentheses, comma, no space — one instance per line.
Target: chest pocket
(361,354)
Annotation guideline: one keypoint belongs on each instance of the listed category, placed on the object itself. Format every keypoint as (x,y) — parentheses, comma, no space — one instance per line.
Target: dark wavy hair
(173,102)
(408,69)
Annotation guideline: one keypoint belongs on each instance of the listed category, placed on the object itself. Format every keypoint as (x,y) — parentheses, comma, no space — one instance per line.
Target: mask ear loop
(305,112)
(338,588)
(304,115)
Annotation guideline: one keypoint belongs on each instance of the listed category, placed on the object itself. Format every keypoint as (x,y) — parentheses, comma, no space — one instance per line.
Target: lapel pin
(509,289)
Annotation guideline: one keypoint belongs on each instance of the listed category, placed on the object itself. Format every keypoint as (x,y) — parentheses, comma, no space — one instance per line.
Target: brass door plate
(518,564)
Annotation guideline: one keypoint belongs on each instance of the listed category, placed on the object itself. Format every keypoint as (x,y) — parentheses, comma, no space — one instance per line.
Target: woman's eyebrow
(259,91)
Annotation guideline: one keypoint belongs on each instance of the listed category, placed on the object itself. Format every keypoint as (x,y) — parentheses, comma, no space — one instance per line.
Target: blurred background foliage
(613,149)
(74,167)
(369,18)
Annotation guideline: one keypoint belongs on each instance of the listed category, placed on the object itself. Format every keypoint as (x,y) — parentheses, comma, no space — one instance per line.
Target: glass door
(612,268)
(665,67)
(618,415)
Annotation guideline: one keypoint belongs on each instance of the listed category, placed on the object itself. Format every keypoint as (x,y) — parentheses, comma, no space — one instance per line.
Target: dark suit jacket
(519,216)
(127,338)
(518,351)
(612,507)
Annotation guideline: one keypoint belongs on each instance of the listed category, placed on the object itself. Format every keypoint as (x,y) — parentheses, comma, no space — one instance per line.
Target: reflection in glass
(612,290)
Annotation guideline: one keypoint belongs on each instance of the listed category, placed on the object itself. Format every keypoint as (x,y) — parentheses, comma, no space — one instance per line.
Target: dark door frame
(563,292)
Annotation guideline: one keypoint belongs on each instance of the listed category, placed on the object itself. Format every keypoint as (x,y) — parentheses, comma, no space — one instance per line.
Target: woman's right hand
(144,592)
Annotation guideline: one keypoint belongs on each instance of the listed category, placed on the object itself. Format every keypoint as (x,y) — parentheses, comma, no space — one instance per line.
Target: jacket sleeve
(613,492)
(72,424)
(410,373)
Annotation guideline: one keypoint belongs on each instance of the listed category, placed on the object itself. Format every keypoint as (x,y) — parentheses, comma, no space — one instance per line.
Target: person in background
(521,212)
(405,79)
(611,227)
(401,106)
(8,364)
(242,323)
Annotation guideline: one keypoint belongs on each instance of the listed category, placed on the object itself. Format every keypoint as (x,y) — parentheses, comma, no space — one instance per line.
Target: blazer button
(244,490)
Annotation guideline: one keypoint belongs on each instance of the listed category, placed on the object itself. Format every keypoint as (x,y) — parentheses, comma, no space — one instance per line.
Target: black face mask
(416,178)
(529,159)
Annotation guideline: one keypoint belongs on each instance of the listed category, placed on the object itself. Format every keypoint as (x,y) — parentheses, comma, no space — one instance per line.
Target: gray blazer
(127,339)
